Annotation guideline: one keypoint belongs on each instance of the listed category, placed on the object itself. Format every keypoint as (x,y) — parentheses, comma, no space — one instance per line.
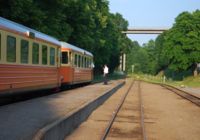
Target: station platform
(54,116)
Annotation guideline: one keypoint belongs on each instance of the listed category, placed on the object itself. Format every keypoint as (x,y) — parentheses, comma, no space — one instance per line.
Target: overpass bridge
(145,30)
(139,31)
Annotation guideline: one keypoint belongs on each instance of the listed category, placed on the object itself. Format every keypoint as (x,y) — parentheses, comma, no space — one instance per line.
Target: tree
(36,14)
(161,55)
(152,60)
(182,42)
(87,24)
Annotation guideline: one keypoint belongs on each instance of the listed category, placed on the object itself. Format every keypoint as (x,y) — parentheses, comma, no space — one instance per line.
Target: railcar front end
(76,65)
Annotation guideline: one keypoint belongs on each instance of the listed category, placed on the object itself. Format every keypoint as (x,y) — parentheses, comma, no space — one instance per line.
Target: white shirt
(105,70)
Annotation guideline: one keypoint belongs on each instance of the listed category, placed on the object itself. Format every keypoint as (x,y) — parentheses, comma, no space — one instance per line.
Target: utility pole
(124,62)
(120,63)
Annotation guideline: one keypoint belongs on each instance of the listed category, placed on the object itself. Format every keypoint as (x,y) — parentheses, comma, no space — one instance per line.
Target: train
(31,60)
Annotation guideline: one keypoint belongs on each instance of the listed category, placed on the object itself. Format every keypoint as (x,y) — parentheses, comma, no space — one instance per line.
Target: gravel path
(168,116)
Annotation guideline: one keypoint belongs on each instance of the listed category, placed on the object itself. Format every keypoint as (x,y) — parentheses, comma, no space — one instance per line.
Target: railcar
(76,65)
(29,60)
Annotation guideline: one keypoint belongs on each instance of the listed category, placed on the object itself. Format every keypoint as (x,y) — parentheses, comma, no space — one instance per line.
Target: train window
(76,60)
(35,53)
(85,63)
(64,57)
(70,57)
(24,51)
(79,61)
(44,55)
(92,63)
(89,63)
(11,49)
(52,56)
(82,61)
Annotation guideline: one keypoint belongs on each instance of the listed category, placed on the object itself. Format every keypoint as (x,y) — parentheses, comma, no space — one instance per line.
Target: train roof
(23,29)
(67,45)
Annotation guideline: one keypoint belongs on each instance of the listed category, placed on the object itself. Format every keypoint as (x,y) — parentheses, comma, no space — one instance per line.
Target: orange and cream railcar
(76,65)
(29,60)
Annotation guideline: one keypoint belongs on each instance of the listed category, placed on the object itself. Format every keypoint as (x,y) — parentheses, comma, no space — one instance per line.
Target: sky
(151,13)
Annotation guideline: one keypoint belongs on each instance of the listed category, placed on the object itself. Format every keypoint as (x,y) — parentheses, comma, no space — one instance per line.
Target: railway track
(186,95)
(131,101)
(141,111)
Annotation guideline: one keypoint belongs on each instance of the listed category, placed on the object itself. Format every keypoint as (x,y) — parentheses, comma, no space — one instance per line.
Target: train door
(66,65)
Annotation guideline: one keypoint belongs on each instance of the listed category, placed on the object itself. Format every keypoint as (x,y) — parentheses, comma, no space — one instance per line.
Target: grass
(187,82)
(192,81)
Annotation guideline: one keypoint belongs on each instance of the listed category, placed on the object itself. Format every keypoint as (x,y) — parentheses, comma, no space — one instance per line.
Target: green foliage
(152,59)
(143,58)
(176,51)
(87,24)
(182,42)
(47,18)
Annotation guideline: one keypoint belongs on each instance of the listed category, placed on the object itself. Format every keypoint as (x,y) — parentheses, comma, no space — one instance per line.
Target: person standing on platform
(105,74)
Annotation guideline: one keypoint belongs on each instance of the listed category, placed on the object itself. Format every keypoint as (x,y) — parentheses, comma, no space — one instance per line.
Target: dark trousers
(105,79)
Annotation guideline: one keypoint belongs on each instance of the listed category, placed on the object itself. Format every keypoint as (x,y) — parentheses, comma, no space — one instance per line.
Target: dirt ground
(167,116)
(127,124)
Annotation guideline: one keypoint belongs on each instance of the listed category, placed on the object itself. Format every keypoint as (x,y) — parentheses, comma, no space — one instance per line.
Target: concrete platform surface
(21,121)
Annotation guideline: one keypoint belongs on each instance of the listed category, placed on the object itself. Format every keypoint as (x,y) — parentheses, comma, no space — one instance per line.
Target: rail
(141,111)
(116,112)
(183,94)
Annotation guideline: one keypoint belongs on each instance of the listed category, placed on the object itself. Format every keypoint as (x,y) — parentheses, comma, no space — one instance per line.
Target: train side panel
(15,78)
(72,75)
(67,74)
(82,75)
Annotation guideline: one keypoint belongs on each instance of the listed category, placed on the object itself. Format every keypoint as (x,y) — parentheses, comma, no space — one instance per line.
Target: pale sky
(151,13)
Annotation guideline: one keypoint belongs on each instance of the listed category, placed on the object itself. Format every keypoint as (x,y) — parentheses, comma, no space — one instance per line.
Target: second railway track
(128,119)
(147,111)
(186,95)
